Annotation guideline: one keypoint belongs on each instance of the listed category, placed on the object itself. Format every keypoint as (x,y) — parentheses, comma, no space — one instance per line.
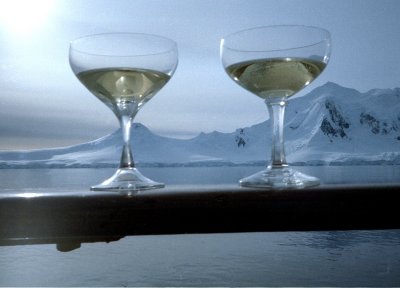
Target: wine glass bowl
(274,63)
(124,71)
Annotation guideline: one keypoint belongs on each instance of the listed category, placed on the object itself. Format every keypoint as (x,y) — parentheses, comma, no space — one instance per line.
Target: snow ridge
(331,125)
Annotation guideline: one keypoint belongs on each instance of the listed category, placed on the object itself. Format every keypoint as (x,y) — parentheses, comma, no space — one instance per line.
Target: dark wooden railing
(69,218)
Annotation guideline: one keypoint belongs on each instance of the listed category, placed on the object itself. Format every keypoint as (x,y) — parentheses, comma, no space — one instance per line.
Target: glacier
(331,125)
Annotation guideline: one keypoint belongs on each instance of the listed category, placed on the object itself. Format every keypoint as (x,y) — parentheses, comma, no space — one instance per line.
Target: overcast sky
(44,105)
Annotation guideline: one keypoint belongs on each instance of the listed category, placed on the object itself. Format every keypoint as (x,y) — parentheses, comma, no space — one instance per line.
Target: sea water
(337,258)
(331,258)
(82,178)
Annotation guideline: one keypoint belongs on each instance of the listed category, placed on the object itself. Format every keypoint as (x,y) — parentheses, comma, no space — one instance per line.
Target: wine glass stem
(127,156)
(276,109)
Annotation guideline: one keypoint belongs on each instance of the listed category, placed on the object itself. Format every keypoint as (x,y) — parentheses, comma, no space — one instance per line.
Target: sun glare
(24,16)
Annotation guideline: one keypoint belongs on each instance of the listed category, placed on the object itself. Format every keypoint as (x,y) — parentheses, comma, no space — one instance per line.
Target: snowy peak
(341,108)
(345,122)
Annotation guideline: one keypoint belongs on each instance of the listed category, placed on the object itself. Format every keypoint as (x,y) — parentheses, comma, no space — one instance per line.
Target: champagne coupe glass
(274,63)
(124,71)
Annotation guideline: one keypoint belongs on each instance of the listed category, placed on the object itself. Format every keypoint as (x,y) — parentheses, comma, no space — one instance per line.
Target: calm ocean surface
(333,258)
(76,178)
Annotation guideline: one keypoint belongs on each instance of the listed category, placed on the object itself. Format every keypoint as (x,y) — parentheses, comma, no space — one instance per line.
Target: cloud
(43,118)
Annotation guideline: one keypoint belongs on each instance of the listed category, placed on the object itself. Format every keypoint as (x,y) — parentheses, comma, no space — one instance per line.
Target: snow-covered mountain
(330,125)
(337,124)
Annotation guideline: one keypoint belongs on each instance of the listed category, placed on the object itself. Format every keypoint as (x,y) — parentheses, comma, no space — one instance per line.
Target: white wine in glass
(274,63)
(124,71)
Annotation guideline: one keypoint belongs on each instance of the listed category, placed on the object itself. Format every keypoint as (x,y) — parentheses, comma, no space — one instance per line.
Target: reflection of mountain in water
(331,124)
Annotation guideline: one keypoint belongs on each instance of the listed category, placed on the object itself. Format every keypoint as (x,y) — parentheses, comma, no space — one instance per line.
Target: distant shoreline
(197,164)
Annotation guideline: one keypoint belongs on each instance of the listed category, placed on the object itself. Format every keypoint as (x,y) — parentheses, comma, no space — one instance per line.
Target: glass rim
(173,45)
(325,32)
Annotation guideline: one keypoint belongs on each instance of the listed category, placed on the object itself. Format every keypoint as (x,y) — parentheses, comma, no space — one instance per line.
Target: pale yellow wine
(275,77)
(113,85)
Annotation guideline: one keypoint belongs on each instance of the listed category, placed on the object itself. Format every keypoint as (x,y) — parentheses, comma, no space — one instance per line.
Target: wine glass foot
(127,180)
(279,178)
